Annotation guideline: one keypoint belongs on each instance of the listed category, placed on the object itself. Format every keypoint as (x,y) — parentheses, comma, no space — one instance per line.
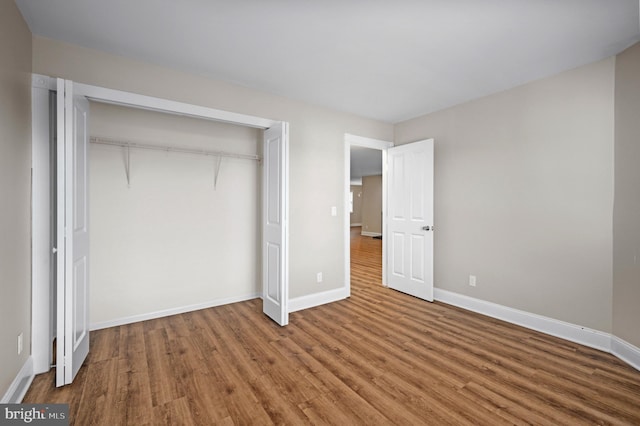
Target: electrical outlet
(334,211)
(19,343)
(319,277)
(472,280)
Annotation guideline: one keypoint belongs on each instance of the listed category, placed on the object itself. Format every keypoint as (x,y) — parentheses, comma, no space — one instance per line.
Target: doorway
(366,217)
(407,214)
(372,153)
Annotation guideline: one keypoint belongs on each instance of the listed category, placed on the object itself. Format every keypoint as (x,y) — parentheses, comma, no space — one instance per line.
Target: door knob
(426,228)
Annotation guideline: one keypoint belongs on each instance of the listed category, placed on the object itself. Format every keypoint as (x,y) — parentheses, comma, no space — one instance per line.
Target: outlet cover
(20,343)
(472,280)
(319,277)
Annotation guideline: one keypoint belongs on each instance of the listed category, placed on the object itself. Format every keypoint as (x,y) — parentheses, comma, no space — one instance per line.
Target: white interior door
(72,279)
(275,268)
(410,219)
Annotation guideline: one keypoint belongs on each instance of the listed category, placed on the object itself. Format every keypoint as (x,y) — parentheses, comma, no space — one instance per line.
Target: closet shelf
(127,144)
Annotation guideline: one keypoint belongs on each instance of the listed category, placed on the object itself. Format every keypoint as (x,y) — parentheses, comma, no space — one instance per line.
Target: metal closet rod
(126,144)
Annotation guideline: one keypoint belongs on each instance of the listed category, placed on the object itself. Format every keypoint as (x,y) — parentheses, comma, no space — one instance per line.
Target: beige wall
(171,239)
(356,215)
(316,153)
(626,212)
(15,166)
(524,195)
(372,204)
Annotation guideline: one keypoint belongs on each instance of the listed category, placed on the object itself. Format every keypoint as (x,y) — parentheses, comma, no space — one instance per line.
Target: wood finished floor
(380,357)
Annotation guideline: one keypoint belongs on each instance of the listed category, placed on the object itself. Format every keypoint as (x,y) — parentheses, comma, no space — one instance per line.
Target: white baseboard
(356,224)
(574,333)
(173,311)
(370,234)
(626,352)
(317,299)
(20,384)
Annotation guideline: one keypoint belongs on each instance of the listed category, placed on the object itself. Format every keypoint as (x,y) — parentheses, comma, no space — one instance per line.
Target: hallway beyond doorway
(366,260)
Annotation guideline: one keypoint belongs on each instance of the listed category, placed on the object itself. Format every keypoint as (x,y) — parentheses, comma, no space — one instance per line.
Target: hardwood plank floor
(380,357)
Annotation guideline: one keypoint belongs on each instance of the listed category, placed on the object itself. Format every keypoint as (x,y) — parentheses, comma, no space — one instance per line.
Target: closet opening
(187,208)
(174,213)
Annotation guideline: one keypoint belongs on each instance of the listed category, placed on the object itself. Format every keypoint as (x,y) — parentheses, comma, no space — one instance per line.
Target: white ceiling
(388,60)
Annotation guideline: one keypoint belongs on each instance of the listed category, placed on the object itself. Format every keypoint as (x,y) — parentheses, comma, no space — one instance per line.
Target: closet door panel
(275,274)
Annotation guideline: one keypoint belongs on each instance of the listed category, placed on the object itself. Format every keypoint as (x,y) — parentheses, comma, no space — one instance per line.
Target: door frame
(43,320)
(41,133)
(361,141)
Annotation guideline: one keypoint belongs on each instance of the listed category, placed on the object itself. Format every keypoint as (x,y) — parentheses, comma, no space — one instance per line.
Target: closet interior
(174,212)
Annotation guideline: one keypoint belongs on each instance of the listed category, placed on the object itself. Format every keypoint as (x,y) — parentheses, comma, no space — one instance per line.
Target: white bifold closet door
(72,205)
(275,271)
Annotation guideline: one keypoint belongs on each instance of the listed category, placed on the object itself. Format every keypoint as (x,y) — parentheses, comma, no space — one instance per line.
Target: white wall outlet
(472,280)
(334,211)
(19,343)
(319,277)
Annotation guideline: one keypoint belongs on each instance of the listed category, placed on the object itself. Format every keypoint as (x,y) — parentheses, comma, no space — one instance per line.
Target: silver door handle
(427,228)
